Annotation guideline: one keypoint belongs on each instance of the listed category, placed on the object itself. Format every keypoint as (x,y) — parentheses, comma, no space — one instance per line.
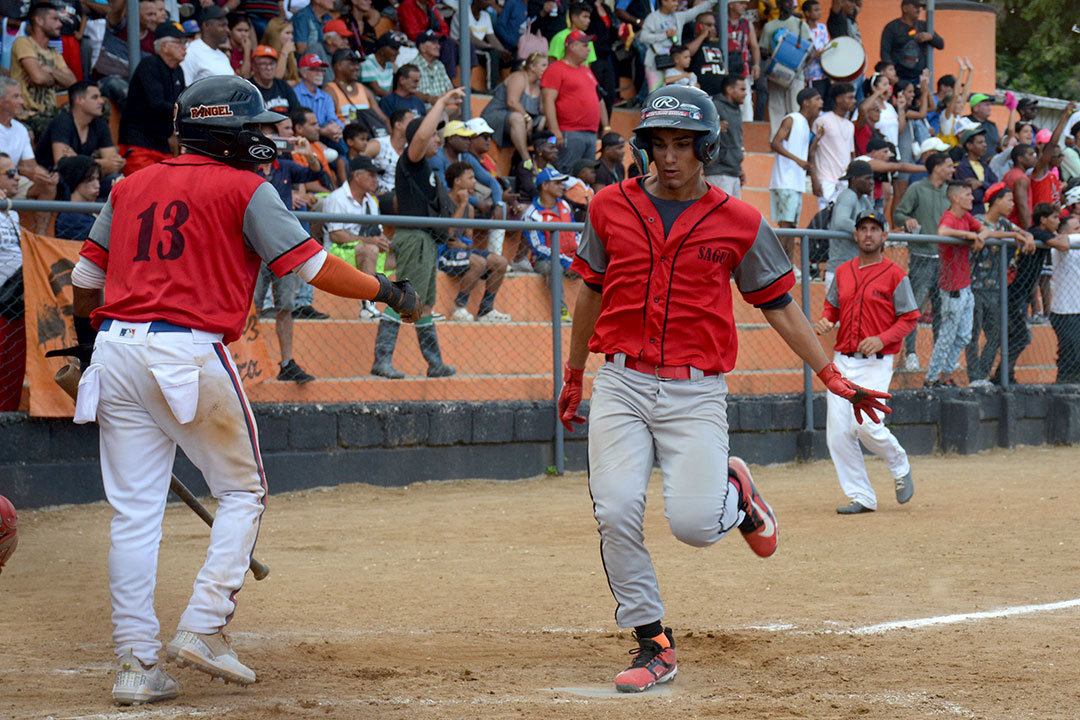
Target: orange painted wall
(966,32)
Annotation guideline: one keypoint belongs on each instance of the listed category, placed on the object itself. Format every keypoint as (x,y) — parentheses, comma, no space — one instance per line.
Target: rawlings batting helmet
(684,108)
(9,532)
(221,117)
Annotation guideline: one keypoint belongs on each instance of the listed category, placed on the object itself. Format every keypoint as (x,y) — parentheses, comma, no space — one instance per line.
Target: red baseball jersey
(183,240)
(667,300)
(871,300)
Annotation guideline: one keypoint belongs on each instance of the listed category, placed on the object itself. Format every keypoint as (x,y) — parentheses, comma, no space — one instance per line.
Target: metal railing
(896,242)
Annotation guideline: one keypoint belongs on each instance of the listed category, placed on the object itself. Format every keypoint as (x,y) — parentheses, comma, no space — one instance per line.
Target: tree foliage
(1037,50)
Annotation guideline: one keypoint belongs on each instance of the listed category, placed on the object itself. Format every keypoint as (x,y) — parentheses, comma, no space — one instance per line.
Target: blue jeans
(954,335)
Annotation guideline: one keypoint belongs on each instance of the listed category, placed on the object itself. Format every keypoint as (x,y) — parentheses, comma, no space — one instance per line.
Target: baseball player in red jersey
(657,256)
(164,283)
(872,300)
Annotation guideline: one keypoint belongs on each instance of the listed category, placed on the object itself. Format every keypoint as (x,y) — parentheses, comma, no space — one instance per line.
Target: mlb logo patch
(127,332)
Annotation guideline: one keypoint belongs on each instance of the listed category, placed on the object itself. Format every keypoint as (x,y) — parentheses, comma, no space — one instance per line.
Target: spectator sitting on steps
(549,207)
(458,259)
(358,243)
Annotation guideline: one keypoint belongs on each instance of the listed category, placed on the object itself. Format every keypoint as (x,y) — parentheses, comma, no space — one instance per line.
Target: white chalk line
(962,617)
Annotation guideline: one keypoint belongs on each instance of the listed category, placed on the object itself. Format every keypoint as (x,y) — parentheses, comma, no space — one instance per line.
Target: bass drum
(843,59)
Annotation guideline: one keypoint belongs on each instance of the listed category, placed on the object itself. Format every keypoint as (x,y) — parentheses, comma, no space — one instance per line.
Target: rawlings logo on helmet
(209,111)
(261,152)
(665,102)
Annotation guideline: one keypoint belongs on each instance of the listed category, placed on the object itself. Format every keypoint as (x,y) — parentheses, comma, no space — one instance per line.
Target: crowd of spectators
(361,80)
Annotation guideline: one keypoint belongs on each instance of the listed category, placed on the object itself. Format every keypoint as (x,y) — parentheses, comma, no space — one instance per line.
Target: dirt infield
(481,599)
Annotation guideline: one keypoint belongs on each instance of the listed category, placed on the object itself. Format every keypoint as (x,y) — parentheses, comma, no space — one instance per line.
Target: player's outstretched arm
(586,311)
(339,278)
(796,331)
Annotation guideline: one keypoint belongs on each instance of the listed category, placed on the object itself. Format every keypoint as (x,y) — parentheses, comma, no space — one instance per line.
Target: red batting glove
(864,400)
(570,397)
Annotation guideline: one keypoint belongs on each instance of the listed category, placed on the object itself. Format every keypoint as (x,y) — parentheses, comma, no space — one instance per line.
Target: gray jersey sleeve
(99,233)
(591,248)
(269,228)
(832,295)
(903,298)
(763,264)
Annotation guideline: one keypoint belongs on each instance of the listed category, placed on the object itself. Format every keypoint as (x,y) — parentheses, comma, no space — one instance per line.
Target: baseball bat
(67,378)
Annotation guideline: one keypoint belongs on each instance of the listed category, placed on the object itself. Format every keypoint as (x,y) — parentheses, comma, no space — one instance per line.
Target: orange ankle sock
(662,640)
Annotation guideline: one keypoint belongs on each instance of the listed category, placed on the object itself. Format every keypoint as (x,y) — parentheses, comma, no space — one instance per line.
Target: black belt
(863,356)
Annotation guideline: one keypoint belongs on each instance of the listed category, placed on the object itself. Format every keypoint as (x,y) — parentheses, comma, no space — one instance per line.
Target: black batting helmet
(685,108)
(221,117)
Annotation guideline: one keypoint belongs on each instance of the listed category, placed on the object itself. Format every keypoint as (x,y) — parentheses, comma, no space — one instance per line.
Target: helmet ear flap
(707,147)
(642,156)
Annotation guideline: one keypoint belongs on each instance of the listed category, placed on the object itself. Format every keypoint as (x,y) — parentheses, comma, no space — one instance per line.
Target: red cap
(993,191)
(311,60)
(337,26)
(577,35)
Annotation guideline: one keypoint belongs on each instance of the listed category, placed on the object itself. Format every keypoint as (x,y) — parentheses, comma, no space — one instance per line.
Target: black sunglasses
(11,172)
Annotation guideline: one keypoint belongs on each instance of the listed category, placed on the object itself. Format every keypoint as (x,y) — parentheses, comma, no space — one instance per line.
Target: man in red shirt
(1018,182)
(657,258)
(575,115)
(954,282)
(1045,176)
(164,282)
(872,300)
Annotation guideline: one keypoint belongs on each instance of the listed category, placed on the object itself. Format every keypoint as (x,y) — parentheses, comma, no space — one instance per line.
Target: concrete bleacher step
(756,137)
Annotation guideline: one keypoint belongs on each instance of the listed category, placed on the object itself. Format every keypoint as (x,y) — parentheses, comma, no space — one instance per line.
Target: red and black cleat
(654,664)
(759,529)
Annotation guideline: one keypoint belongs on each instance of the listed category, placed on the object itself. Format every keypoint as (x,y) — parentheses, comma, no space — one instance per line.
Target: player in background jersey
(163,284)
(657,257)
(871,299)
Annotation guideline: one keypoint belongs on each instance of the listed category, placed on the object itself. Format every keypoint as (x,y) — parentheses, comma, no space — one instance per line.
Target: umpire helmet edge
(220,117)
(679,107)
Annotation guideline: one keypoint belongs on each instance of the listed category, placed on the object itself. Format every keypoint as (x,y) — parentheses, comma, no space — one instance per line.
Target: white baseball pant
(843,433)
(155,390)
(634,419)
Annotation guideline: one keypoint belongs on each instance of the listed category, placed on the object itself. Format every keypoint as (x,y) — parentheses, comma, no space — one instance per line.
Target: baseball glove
(9,533)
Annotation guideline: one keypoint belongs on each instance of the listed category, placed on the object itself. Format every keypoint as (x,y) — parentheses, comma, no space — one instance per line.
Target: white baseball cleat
(211,654)
(136,685)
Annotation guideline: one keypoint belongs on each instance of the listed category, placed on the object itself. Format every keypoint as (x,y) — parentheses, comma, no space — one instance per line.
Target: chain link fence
(12,341)
(516,353)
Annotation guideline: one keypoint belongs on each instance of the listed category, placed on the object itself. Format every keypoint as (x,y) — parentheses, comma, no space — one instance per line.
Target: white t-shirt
(203,61)
(691,81)
(836,147)
(294,6)
(386,161)
(1065,282)
(10,251)
(342,201)
(889,124)
(15,141)
(786,175)
(480,27)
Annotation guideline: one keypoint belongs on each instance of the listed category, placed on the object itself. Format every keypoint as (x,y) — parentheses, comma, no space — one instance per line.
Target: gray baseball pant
(634,419)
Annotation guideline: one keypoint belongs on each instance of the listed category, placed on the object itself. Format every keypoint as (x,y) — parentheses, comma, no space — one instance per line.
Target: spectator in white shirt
(204,56)
(35,183)
(357,243)
(834,144)
(483,38)
(12,313)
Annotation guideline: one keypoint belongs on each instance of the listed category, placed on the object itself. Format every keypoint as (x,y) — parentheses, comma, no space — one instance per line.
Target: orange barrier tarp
(47,266)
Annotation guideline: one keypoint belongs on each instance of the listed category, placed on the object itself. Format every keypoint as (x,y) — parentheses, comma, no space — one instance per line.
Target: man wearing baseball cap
(377,70)
(336,36)
(204,56)
(1027,109)
(872,302)
(853,200)
(277,94)
(357,243)
(571,103)
(311,95)
(549,206)
(981,105)
(434,81)
(157,83)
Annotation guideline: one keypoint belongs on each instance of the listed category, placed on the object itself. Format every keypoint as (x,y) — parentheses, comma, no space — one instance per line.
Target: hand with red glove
(570,397)
(864,399)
